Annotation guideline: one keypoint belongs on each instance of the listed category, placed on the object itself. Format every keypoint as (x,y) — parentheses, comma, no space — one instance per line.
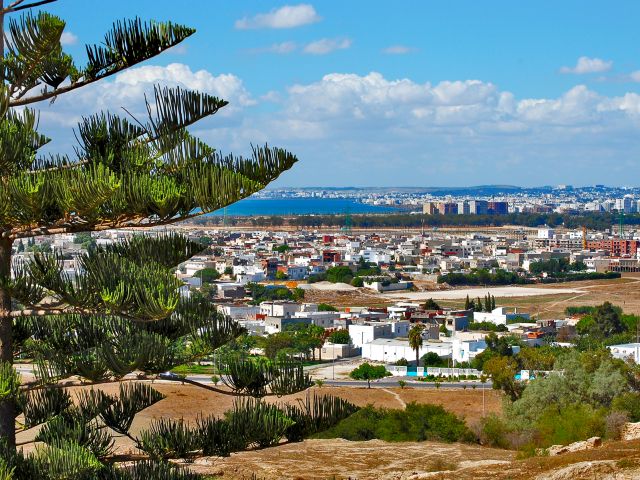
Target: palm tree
(415,340)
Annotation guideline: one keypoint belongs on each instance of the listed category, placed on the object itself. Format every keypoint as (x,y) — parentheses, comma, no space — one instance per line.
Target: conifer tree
(121,311)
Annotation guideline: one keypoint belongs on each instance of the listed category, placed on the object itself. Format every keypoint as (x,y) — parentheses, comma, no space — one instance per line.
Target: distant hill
(471,190)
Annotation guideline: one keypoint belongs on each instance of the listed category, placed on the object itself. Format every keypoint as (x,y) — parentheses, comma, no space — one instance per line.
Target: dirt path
(400,400)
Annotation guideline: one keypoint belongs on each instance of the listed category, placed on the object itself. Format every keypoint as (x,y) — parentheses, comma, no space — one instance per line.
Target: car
(169,376)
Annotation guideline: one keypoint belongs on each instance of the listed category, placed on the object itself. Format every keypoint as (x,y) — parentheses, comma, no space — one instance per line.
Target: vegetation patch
(416,423)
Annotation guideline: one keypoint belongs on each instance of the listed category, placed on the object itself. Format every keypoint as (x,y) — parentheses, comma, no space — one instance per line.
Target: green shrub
(628,402)
(369,372)
(168,438)
(418,422)
(572,423)
(494,432)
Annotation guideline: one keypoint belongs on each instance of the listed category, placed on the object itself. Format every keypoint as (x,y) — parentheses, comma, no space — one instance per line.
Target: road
(382,383)
(394,382)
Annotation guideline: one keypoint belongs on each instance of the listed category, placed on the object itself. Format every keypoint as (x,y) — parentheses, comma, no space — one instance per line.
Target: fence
(400,371)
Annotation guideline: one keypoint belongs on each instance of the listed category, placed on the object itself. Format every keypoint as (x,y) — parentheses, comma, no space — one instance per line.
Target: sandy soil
(344,287)
(188,402)
(341,459)
(502,292)
(623,292)
(544,301)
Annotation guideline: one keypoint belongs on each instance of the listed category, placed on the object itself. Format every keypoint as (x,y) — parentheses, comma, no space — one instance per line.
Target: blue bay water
(300,206)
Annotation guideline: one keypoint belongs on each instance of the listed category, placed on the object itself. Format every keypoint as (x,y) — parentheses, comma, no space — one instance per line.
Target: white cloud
(180,49)
(68,38)
(398,50)
(326,45)
(289,16)
(278,48)
(635,76)
(589,65)
(226,86)
(375,130)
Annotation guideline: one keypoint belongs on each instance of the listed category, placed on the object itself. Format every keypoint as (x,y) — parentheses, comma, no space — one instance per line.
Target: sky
(392,93)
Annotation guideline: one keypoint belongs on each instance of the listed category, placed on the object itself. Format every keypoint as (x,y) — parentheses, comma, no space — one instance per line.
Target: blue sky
(396,93)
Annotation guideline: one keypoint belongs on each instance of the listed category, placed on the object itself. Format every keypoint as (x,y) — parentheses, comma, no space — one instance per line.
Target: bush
(357,282)
(572,423)
(403,362)
(431,359)
(628,402)
(369,372)
(340,337)
(614,424)
(494,432)
(168,438)
(325,307)
(417,423)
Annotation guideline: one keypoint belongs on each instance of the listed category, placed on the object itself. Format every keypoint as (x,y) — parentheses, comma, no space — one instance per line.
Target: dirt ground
(188,402)
(339,459)
(624,292)
(376,460)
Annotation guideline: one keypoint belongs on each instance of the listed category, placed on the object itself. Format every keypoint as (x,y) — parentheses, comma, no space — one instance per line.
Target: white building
(239,312)
(279,309)
(626,351)
(361,334)
(390,350)
(499,316)
(546,233)
(320,319)
(466,350)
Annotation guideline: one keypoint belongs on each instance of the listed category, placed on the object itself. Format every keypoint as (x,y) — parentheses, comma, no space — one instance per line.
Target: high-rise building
(463,208)
(478,207)
(430,208)
(447,208)
(498,208)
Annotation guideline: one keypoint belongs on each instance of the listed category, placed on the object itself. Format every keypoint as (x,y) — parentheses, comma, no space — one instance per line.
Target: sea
(300,206)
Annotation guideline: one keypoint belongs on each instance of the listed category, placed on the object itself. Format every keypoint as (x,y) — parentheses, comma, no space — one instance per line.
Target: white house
(279,309)
(466,350)
(390,350)
(626,351)
(361,334)
(499,316)
(239,312)
(320,319)
(296,272)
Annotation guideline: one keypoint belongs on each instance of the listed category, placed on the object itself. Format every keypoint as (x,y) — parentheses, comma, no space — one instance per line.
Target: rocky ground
(377,460)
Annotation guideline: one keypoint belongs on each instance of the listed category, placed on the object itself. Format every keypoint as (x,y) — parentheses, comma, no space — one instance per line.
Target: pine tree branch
(16,7)
(213,389)
(44,312)
(133,222)
(117,55)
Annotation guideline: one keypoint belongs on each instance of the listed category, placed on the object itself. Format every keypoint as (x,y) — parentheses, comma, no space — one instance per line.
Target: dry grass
(622,292)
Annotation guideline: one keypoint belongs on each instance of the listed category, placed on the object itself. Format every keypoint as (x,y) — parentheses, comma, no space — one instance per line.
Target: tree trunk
(7,407)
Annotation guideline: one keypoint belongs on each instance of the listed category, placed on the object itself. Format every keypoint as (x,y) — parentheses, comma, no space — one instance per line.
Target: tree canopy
(121,310)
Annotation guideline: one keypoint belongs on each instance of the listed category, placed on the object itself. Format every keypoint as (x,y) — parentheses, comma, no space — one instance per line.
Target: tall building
(430,208)
(463,208)
(498,208)
(478,207)
(447,208)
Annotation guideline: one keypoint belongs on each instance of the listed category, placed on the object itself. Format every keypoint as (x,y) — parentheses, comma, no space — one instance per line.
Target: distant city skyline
(372,93)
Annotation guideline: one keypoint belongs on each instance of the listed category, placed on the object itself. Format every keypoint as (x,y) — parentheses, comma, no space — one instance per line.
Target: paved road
(382,383)
(394,382)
